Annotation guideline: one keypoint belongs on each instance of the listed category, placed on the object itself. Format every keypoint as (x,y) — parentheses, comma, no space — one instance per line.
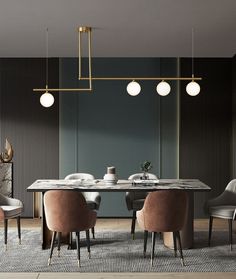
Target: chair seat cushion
(223,211)
(138,204)
(11,211)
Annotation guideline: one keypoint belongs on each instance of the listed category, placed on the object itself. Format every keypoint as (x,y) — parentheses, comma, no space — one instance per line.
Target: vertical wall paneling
(205,134)
(233,147)
(169,122)
(109,127)
(32,129)
(68,139)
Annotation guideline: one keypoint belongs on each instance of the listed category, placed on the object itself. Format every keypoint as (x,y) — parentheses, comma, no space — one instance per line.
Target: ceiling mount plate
(84,29)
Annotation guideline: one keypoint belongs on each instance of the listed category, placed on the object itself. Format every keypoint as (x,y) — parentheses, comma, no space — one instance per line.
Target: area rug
(115,251)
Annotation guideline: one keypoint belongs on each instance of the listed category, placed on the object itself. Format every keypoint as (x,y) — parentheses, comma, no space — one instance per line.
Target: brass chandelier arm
(88,31)
(62,89)
(142,78)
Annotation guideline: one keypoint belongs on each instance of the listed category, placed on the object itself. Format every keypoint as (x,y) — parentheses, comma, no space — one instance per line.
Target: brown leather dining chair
(163,211)
(135,200)
(93,199)
(67,211)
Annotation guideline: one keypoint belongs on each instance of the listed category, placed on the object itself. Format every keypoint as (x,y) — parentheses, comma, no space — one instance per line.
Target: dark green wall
(109,127)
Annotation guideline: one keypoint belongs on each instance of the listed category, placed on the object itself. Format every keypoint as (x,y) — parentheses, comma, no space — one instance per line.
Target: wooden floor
(119,224)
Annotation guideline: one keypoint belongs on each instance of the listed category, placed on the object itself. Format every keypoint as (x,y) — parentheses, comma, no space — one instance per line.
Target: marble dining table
(99,185)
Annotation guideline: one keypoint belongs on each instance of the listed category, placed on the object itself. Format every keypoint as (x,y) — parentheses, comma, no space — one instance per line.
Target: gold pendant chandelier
(133,88)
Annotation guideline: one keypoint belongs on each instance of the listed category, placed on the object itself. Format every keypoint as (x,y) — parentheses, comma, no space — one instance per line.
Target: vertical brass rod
(90,62)
(79,55)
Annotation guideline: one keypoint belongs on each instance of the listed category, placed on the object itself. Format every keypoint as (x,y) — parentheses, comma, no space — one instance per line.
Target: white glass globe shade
(47,100)
(163,88)
(193,88)
(133,88)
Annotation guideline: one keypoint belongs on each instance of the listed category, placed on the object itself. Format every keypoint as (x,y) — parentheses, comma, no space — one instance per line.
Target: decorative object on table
(145,182)
(146,166)
(6,179)
(110,177)
(7,155)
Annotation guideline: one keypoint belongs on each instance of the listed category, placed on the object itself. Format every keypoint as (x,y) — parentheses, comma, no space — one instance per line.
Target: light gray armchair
(223,206)
(10,208)
(135,200)
(93,199)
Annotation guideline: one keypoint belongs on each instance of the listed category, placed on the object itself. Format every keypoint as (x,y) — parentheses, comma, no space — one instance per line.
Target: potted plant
(145,168)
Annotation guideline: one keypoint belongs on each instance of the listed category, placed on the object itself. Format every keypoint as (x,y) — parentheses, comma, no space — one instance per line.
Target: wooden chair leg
(93,232)
(153,246)
(180,248)
(210,230)
(78,247)
(145,243)
(230,221)
(175,245)
(133,224)
(58,243)
(19,229)
(5,232)
(52,246)
(88,244)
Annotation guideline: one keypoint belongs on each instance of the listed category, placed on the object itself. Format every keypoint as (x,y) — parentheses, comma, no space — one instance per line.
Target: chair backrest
(89,196)
(228,197)
(231,187)
(85,176)
(67,211)
(139,195)
(139,175)
(165,210)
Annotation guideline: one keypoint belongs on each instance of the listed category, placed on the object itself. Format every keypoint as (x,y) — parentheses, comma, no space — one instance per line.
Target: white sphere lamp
(193,88)
(133,88)
(47,99)
(163,88)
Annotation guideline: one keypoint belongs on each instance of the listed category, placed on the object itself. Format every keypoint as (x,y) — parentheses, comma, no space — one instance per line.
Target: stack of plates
(110,179)
(146,181)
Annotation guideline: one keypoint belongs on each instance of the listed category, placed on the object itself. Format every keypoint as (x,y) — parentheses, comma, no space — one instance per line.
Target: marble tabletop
(99,185)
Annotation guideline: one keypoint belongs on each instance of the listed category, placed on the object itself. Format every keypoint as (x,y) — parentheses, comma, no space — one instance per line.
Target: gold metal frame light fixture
(133,88)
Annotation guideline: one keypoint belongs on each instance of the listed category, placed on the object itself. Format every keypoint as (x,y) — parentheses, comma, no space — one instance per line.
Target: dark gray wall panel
(233,169)
(109,127)
(32,129)
(205,133)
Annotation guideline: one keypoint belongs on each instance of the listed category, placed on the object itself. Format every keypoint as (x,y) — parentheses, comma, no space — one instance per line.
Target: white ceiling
(122,28)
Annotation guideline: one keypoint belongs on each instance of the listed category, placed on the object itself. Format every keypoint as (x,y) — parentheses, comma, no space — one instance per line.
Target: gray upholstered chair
(67,211)
(163,211)
(135,200)
(10,208)
(93,199)
(223,206)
